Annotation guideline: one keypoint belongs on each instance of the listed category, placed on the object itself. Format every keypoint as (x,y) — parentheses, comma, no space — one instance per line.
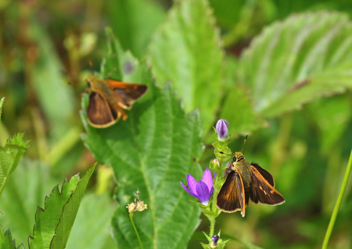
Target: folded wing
(231,197)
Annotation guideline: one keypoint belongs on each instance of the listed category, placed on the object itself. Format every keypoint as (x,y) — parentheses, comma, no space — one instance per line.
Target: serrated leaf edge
(68,200)
(60,192)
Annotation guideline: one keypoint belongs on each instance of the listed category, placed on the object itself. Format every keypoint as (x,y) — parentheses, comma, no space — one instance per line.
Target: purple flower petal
(212,190)
(203,193)
(189,191)
(207,179)
(192,184)
(222,128)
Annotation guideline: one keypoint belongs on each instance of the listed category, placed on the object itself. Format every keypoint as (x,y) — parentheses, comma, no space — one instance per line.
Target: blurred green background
(46,48)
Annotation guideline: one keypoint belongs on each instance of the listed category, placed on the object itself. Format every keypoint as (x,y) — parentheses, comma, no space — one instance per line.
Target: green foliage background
(279,71)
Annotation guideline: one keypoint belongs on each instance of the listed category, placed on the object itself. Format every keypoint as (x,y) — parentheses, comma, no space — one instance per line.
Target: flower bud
(222,129)
(215,238)
(215,164)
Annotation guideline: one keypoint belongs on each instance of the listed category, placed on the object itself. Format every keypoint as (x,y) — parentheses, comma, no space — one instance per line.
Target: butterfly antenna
(244,142)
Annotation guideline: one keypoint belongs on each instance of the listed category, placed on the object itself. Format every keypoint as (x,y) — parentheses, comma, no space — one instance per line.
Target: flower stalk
(135,230)
(137,205)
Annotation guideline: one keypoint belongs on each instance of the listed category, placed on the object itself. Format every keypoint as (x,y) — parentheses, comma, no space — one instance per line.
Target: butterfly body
(108,99)
(246,181)
(243,168)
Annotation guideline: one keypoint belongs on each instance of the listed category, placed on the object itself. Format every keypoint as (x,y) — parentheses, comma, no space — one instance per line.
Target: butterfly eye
(88,83)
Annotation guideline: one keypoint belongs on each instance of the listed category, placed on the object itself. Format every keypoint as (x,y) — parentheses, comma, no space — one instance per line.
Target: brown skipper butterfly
(108,99)
(246,181)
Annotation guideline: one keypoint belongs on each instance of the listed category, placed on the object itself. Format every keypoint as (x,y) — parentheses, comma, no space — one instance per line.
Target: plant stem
(135,230)
(338,203)
(212,227)
(212,220)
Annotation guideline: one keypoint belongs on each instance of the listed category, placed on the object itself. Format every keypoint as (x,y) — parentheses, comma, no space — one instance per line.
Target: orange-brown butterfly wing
(99,113)
(262,191)
(127,93)
(264,173)
(231,197)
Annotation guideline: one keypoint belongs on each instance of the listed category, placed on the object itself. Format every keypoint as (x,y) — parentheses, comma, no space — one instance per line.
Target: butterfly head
(238,156)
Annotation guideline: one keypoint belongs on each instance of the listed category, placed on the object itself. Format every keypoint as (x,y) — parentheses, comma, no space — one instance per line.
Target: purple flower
(202,189)
(222,128)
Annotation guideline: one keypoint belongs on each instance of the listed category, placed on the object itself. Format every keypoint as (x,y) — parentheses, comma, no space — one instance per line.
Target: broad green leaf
(53,223)
(6,241)
(92,226)
(25,190)
(10,155)
(186,50)
(298,60)
(153,150)
(133,22)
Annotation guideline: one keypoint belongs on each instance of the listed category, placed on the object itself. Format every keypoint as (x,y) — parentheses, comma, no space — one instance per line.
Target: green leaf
(25,190)
(6,241)
(133,22)
(186,50)
(298,60)
(54,222)
(10,155)
(152,150)
(91,228)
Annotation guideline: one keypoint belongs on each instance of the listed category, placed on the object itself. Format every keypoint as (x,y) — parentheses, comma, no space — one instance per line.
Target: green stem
(338,203)
(212,227)
(213,209)
(135,230)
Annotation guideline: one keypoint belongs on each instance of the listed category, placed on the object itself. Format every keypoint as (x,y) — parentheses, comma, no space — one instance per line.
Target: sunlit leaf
(53,223)
(186,50)
(152,150)
(298,60)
